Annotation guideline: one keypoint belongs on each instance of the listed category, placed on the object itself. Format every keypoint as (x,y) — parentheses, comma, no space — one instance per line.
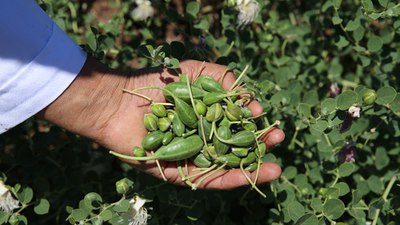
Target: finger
(273,137)
(225,179)
(234,178)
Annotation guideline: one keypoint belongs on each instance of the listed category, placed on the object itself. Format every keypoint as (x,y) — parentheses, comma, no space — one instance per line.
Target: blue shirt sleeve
(38,61)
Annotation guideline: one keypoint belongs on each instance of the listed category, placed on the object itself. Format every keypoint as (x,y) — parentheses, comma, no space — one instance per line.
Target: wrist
(83,107)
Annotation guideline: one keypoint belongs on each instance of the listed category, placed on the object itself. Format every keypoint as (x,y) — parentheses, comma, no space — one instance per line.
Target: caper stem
(262,132)
(194,187)
(253,185)
(144,158)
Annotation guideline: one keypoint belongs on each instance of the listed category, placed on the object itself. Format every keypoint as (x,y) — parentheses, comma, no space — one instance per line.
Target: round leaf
(42,207)
(334,208)
(193,8)
(295,210)
(106,215)
(346,99)
(374,44)
(328,106)
(346,169)
(308,219)
(26,195)
(386,95)
(79,214)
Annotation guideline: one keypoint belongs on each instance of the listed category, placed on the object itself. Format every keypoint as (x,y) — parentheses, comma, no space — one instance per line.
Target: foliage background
(296,50)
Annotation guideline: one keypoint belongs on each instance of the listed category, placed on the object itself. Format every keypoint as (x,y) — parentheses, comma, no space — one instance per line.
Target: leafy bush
(315,65)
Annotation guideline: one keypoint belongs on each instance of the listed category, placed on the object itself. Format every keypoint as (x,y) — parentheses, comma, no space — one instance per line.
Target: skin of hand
(95,106)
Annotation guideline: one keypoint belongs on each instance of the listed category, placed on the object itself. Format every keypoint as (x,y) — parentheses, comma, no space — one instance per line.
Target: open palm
(114,119)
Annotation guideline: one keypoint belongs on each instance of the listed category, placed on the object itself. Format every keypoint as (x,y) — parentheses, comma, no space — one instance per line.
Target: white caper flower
(143,10)
(137,214)
(354,111)
(7,201)
(248,11)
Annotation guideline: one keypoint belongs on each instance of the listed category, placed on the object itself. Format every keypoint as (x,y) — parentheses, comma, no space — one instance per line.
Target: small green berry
(369,96)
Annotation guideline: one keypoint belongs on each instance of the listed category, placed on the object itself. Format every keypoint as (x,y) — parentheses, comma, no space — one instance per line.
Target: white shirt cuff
(40,82)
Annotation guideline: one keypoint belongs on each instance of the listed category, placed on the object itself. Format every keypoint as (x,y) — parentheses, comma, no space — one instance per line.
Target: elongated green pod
(231,160)
(250,126)
(233,112)
(242,138)
(177,126)
(181,91)
(207,128)
(209,84)
(250,158)
(186,113)
(153,140)
(201,161)
(220,147)
(252,167)
(240,151)
(180,149)
(213,97)
(261,149)
(214,113)
(168,137)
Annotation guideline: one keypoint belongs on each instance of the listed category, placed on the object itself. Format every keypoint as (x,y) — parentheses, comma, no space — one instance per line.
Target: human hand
(95,106)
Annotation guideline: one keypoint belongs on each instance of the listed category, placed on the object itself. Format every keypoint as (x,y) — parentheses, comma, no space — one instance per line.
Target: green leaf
(295,210)
(367,5)
(381,158)
(173,63)
(342,42)
(193,8)
(336,3)
(290,172)
(3,217)
(26,195)
(122,206)
(356,197)
(316,204)
(304,110)
(106,215)
(395,105)
(311,98)
(93,199)
(41,207)
(320,126)
(336,20)
(346,99)
(91,41)
(386,95)
(346,169)
(308,219)
(375,205)
(383,3)
(375,184)
(79,214)
(334,208)
(374,44)
(343,188)
(328,106)
(352,25)
(203,24)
